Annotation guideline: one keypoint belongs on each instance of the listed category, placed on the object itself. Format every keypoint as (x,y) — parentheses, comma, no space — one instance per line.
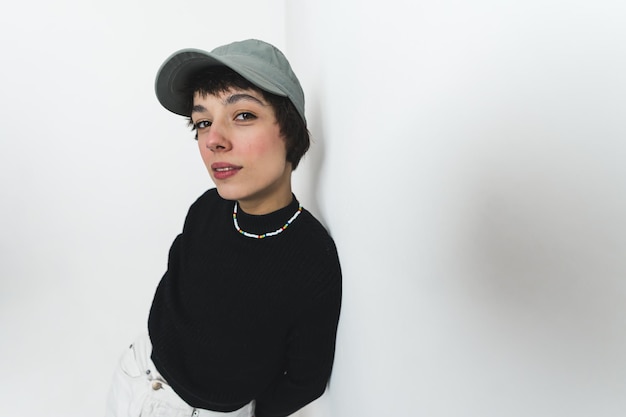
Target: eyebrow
(239,97)
(232,99)
(198,108)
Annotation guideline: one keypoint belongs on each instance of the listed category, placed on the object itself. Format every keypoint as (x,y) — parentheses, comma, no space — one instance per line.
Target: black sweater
(236,319)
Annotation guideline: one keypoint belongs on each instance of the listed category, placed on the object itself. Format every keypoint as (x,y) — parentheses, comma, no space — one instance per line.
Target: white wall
(467,160)
(473,178)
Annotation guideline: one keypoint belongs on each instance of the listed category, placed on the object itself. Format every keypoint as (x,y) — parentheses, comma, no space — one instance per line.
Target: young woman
(244,320)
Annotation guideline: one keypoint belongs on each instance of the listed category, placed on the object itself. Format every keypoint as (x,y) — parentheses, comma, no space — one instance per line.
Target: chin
(227,194)
(232,191)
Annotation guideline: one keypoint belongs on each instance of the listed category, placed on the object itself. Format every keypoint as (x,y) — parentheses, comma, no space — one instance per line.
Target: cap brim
(173,76)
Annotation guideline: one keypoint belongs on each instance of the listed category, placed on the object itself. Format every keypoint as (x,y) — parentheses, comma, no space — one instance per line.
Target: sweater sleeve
(310,355)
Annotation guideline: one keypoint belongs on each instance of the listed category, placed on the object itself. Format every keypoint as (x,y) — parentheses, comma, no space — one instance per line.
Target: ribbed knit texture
(236,319)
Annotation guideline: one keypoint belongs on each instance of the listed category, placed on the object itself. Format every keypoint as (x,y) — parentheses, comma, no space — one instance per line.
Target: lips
(222,170)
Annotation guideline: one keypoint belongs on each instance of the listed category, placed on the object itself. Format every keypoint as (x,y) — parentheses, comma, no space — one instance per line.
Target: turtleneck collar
(263,223)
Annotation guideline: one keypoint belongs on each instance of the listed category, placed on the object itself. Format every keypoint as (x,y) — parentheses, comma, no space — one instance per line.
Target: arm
(310,354)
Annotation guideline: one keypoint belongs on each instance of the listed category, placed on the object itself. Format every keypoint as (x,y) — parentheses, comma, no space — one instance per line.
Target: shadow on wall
(314,158)
(546,252)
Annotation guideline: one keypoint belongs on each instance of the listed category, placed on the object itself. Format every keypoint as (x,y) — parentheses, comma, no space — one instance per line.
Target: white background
(467,158)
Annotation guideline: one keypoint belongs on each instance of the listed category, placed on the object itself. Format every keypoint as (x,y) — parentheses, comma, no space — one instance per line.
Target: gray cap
(258,62)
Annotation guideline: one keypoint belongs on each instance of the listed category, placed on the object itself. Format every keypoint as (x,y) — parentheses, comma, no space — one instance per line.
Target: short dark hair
(293,128)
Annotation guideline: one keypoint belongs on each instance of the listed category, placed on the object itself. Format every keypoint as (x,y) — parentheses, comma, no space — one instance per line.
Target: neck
(259,206)
(272,199)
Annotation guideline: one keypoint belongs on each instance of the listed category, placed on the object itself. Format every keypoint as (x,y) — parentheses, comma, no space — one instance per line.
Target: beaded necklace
(268,234)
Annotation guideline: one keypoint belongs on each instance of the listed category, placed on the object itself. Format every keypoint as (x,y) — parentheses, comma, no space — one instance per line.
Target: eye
(245,116)
(202,124)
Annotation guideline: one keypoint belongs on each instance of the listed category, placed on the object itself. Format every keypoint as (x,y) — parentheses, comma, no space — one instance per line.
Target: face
(243,150)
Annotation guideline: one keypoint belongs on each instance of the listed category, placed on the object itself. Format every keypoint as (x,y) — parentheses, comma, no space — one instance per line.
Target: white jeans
(138,390)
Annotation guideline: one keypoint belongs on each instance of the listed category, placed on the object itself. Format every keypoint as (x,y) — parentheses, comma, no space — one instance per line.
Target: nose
(216,138)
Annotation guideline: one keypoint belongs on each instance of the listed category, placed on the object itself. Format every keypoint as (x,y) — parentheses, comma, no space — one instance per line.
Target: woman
(244,320)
